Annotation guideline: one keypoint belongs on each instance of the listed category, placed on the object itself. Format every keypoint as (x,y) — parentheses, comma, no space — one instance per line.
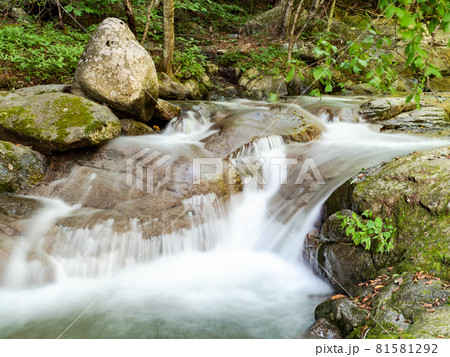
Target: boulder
(193,88)
(42,89)
(57,121)
(395,306)
(323,328)
(132,127)
(255,121)
(385,108)
(431,120)
(20,168)
(171,89)
(413,191)
(116,70)
(264,21)
(166,111)
(258,86)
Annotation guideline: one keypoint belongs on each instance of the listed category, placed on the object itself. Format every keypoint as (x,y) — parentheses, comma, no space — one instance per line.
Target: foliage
(363,230)
(418,19)
(209,9)
(270,60)
(364,61)
(41,51)
(188,62)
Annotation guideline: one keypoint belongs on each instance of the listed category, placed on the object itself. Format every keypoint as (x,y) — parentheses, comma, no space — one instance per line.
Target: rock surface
(413,191)
(132,127)
(57,121)
(20,168)
(171,89)
(391,306)
(166,111)
(116,70)
(243,128)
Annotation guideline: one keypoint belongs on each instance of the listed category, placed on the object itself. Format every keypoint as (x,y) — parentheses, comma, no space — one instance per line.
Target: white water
(237,273)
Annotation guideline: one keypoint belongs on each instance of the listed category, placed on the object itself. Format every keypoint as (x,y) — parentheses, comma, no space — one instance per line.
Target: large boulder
(166,111)
(258,86)
(116,70)
(20,168)
(413,191)
(264,21)
(56,121)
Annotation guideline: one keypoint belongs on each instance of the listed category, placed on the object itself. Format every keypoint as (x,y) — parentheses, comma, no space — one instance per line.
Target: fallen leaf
(407,321)
(424,304)
(429,282)
(430,311)
(366,298)
(390,268)
(337,297)
(395,290)
(10,167)
(440,336)
(399,281)
(379,287)
(368,315)
(400,329)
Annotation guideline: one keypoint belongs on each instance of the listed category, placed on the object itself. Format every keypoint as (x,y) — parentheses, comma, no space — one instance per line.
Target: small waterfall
(236,272)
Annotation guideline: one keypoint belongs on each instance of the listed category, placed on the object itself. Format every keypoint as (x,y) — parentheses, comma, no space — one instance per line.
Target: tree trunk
(292,37)
(169,37)
(330,17)
(147,25)
(285,19)
(130,16)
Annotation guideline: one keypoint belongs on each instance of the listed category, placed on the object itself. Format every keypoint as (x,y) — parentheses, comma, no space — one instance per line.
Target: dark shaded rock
(323,328)
(20,168)
(132,127)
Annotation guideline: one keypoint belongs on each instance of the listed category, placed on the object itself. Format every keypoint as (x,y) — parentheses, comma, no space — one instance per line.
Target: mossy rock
(414,191)
(407,306)
(132,127)
(20,168)
(57,121)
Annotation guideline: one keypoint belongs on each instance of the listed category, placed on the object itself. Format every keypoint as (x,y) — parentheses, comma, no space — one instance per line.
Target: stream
(236,270)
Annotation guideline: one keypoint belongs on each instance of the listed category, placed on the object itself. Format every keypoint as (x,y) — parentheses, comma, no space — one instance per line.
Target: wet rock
(431,120)
(19,206)
(132,127)
(385,108)
(116,70)
(345,264)
(323,328)
(441,84)
(364,89)
(20,168)
(166,111)
(171,89)
(257,121)
(332,231)
(57,121)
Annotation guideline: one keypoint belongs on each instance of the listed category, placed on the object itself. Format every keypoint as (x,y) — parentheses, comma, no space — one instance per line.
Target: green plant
(188,62)
(40,51)
(418,19)
(362,61)
(364,230)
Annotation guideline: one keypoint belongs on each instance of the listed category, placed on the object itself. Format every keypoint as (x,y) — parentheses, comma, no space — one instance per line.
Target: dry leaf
(400,329)
(440,336)
(399,281)
(379,287)
(430,311)
(390,268)
(10,167)
(429,282)
(337,297)
(424,304)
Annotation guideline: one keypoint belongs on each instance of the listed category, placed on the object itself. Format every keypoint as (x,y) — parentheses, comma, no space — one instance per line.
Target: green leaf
(290,75)
(273,98)
(378,222)
(318,72)
(328,87)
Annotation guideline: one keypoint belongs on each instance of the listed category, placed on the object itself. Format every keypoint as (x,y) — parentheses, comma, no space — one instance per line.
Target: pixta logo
(148,169)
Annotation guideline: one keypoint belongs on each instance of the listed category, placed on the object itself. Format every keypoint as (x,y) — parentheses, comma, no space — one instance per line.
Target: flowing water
(236,272)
